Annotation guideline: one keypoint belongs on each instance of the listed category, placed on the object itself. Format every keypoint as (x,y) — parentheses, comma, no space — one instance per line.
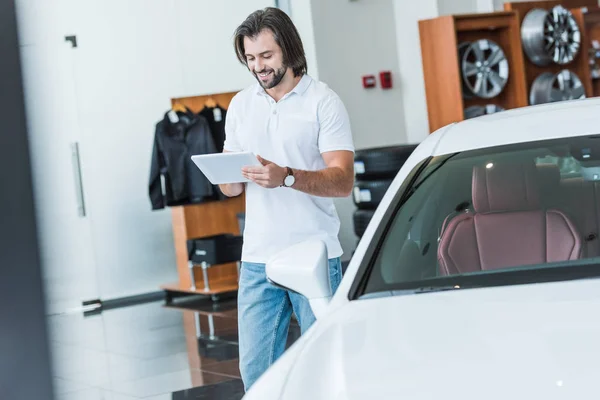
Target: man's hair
(284,32)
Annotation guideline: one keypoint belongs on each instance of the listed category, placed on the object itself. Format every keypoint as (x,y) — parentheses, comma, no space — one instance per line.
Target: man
(300,132)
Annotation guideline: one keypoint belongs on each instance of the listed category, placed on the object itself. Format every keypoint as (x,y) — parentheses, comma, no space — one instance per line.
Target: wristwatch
(289,180)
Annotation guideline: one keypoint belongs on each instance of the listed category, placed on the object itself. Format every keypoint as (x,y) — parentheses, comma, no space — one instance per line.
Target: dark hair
(284,32)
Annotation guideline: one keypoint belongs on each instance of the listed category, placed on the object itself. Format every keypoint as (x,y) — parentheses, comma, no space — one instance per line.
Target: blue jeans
(264,313)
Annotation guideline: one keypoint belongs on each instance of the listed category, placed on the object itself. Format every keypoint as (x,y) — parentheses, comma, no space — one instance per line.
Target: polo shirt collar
(301,87)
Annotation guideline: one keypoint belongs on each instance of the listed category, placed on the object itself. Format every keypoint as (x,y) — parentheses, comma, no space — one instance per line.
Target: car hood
(529,341)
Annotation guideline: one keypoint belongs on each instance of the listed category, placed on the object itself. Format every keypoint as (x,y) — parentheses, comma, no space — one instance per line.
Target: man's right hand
(232,189)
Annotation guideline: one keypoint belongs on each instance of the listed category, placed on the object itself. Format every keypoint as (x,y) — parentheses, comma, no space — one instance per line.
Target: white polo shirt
(293,132)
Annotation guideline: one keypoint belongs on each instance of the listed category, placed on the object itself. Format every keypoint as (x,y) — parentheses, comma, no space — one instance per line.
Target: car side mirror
(303,268)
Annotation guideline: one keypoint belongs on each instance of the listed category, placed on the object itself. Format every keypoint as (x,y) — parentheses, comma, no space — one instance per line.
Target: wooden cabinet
(440,38)
(579,65)
(202,220)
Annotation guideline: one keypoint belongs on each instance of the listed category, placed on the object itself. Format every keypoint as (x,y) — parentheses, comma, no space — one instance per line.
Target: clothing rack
(203,220)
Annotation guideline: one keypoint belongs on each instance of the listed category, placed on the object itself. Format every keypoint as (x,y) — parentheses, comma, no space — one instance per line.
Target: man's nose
(258,65)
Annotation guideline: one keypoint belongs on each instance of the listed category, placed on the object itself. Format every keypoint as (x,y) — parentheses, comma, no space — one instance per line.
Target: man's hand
(232,189)
(269,175)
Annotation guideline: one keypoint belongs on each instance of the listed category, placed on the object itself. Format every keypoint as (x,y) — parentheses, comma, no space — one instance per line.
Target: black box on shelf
(218,249)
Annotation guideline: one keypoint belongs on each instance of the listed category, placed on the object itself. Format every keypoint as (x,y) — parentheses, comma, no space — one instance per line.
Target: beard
(276,77)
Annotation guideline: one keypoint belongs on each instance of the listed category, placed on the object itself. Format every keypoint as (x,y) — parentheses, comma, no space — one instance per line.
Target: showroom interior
(111,278)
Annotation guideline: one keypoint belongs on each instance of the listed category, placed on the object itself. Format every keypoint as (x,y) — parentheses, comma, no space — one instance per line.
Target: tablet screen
(221,168)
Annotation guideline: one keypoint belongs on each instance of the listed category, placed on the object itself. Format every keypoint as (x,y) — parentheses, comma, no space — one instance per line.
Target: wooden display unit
(440,38)
(588,19)
(205,219)
(579,65)
(579,3)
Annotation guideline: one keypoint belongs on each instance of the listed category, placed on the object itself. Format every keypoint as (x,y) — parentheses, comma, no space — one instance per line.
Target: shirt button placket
(274,113)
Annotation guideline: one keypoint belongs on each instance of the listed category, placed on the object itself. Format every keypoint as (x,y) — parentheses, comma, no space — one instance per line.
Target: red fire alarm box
(369,81)
(386,79)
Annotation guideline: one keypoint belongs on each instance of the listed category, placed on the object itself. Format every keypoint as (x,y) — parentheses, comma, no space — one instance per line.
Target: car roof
(526,124)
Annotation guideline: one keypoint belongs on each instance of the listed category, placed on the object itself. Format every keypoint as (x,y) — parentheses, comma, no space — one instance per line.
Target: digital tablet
(220,168)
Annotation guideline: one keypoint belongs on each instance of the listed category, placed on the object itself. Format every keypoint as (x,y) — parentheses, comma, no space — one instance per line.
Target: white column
(486,6)
(411,80)
(301,14)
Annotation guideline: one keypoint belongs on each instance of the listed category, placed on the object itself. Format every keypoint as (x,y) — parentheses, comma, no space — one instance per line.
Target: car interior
(509,226)
(504,208)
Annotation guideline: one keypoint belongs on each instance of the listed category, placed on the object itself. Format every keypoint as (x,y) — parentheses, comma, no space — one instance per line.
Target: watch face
(289,180)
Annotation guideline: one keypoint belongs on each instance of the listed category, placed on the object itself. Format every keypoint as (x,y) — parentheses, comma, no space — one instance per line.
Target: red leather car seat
(509,227)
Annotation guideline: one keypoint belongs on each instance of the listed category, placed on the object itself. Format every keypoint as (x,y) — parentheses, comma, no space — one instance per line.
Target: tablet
(220,168)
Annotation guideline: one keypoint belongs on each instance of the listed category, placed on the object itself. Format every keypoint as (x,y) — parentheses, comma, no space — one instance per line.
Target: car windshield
(489,212)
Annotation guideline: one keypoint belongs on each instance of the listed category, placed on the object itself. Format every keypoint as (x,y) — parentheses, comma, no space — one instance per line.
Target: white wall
(302,16)
(354,39)
(206,31)
(133,57)
(410,65)
(448,7)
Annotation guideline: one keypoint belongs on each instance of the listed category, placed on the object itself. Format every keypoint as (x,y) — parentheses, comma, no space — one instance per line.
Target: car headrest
(505,187)
(548,175)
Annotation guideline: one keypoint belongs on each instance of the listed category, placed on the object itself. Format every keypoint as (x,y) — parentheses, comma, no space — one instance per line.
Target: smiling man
(300,131)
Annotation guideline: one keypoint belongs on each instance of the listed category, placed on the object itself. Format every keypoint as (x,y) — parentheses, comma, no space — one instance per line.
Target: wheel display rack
(589,19)
(477,64)
(443,66)
(578,66)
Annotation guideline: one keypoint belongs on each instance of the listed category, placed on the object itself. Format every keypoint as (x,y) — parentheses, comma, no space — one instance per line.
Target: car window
(567,166)
(487,211)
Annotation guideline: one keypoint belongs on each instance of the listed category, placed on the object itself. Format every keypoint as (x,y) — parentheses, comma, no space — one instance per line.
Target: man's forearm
(232,189)
(328,182)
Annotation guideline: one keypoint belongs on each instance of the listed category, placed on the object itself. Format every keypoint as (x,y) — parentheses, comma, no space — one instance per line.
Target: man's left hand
(269,175)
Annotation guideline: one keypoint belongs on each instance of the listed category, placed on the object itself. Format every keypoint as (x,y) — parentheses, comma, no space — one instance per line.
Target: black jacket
(174,144)
(217,127)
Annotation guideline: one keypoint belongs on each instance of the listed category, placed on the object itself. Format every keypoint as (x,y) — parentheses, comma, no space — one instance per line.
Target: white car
(477,277)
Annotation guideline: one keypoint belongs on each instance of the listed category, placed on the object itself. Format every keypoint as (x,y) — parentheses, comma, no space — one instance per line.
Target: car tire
(381,162)
(368,194)
(361,221)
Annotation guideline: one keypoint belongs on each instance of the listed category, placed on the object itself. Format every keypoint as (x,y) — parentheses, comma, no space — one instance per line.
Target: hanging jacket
(216,120)
(174,144)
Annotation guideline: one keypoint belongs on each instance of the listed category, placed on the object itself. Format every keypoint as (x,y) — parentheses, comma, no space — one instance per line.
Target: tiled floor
(152,351)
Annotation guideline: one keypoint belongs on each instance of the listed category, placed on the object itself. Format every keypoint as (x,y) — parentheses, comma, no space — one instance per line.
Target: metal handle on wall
(78,181)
